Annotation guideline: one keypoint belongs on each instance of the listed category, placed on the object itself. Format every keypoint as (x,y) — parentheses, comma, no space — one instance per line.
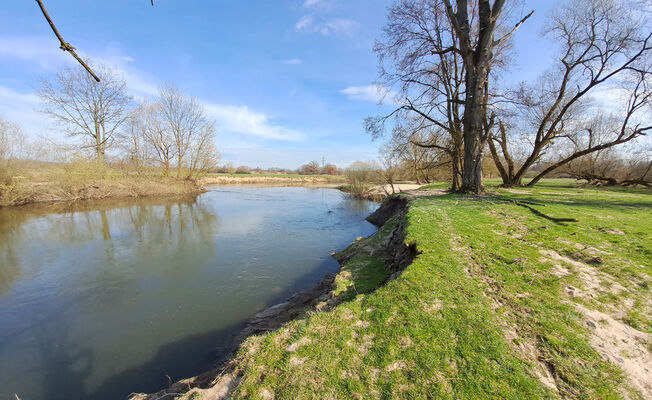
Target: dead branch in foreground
(65,46)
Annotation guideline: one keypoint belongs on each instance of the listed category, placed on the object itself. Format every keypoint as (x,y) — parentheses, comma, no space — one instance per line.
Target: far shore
(57,189)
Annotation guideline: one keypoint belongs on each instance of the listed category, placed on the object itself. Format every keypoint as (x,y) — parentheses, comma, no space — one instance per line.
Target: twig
(65,46)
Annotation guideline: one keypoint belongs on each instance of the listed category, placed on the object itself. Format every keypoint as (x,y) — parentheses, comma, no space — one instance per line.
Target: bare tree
(312,168)
(202,155)
(602,42)
(13,145)
(133,141)
(389,168)
(85,108)
(417,44)
(184,118)
(442,56)
(159,140)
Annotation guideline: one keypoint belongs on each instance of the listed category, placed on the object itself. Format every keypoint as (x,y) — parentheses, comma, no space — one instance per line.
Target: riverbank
(23,192)
(535,293)
(271,179)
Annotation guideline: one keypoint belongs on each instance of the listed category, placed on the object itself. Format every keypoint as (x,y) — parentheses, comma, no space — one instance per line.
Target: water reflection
(101,299)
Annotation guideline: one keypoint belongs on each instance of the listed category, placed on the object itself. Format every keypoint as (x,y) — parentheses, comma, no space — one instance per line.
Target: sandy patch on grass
(297,361)
(528,348)
(298,344)
(622,345)
(398,365)
(594,281)
(266,394)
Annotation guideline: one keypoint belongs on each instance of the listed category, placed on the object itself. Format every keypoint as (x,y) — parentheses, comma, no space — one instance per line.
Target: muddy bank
(377,193)
(116,188)
(220,381)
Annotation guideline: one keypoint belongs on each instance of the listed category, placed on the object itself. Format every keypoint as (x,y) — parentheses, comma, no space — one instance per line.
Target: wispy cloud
(312,3)
(373,93)
(339,26)
(304,23)
(294,61)
(336,26)
(242,120)
(39,51)
(20,108)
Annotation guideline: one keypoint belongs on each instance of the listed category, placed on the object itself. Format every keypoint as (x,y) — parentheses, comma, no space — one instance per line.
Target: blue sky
(288,81)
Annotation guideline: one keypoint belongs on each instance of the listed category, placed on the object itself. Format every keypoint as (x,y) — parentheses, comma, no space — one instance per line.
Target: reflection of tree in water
(355,206)
(11,234)
(124,245)
(146,226)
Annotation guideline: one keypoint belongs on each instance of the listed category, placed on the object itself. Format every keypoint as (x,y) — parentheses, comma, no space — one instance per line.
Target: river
(101,299)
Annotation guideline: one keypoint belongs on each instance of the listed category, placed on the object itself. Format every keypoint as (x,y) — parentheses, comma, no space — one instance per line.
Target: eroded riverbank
(366,264)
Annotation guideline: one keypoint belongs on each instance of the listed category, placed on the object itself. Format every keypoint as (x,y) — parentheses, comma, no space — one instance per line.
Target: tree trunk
(474,141)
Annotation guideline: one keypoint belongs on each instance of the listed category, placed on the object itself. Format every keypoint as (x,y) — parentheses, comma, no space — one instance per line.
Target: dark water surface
(104,299)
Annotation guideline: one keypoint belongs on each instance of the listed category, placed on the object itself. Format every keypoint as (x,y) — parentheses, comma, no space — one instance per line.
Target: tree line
(169,132)
(447,63)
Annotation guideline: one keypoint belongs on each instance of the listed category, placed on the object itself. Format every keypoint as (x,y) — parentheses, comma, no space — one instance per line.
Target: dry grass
(29,183)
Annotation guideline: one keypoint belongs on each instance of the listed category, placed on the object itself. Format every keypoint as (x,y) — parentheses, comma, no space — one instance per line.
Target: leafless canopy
(84,108)
(440,56)
(602,44)
(178,132)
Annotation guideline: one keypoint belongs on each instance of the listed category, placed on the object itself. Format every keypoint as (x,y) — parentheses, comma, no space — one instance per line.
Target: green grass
(482,312)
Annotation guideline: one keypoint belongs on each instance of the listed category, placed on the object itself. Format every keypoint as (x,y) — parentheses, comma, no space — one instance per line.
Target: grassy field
(522,294)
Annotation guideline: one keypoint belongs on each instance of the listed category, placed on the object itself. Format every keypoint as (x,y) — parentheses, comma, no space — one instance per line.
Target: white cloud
(242,120)
(337,26)
(373,93)
(305,23)
(294,61)
(20,108)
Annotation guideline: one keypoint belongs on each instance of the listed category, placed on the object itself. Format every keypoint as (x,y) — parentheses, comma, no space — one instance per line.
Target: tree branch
(518,25)
(65,46)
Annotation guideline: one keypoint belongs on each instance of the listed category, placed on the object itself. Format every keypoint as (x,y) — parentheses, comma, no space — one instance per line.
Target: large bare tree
(178,133)
(441,58)
(93,111)
(602,44)
(185,120)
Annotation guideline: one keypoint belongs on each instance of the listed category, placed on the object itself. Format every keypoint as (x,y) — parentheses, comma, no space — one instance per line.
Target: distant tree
(243,170)
(330,169)
(13,141)
(312,168)
(13,145)
(94,111)
(228,168)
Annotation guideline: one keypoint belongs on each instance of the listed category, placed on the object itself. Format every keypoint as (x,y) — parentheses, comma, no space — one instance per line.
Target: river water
(98,300)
